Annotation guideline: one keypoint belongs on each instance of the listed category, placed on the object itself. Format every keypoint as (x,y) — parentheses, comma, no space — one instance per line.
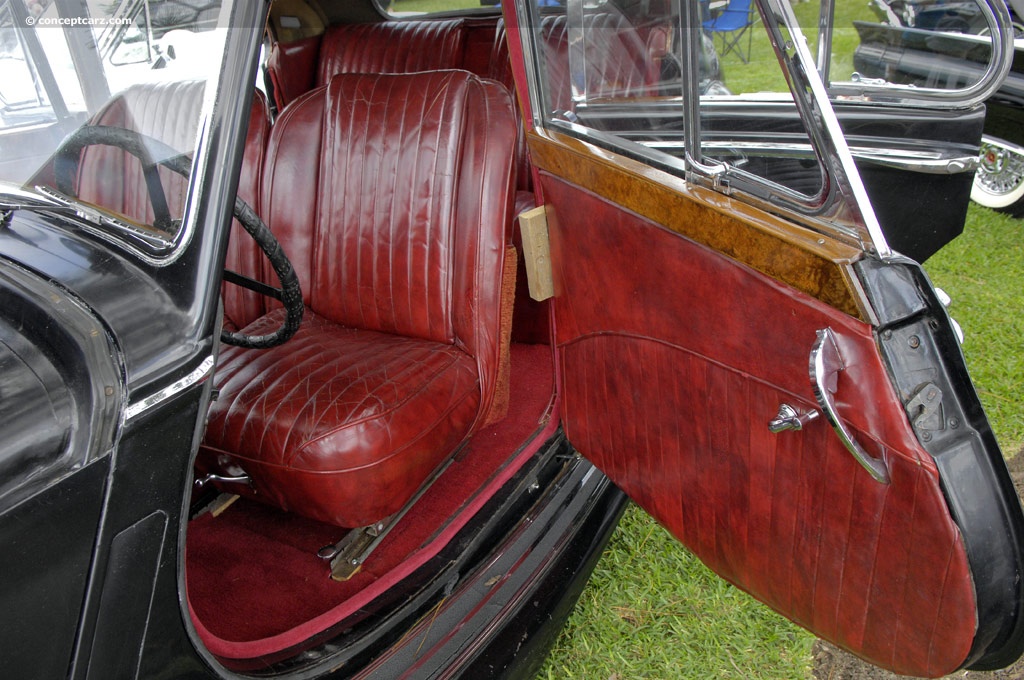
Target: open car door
(744,354)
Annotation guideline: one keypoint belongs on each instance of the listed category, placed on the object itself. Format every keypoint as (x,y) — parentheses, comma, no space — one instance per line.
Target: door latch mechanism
(788,418)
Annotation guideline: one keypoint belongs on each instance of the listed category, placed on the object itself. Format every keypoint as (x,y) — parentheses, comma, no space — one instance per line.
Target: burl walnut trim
(810,262)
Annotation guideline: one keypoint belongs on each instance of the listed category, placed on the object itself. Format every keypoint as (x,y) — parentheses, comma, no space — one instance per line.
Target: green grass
(652,610)
(762,73)
(431,6)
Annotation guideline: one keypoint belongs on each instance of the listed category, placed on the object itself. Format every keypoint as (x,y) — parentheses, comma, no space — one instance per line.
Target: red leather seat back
(391,47)
(391,195)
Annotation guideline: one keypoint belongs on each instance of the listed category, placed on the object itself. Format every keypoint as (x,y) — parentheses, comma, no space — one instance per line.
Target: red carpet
(252,573)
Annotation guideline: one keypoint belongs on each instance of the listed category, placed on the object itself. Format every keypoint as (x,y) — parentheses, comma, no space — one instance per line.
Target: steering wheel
(65,168)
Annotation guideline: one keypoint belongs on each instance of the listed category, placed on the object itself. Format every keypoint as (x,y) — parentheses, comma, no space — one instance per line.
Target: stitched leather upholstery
(391,47)
(391,194)
(384,47)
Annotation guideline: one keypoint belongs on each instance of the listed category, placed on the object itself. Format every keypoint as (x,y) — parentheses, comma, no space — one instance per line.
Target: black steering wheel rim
(65,168)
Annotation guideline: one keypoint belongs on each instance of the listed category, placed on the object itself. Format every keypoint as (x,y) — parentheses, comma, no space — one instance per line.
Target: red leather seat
(390,194)
(382,47)
(391,47)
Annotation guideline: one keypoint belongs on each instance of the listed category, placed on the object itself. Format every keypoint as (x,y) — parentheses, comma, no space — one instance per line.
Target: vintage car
(333,340)
(905,49)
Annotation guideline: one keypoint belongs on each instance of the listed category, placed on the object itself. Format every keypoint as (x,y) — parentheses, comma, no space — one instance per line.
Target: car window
(409,8)
(917,50)
(136,65)
(615,71)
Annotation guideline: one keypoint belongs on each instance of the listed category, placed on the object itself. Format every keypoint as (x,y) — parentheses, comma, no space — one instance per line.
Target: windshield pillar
(87,62)
(30,39)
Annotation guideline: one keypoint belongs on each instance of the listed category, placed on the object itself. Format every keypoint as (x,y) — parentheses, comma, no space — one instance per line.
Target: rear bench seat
(384,47)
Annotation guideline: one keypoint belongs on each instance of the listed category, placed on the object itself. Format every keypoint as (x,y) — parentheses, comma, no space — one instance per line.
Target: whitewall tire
(999,181)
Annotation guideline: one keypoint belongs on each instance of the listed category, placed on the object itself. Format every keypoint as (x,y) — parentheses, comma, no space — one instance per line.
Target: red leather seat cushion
(309,419)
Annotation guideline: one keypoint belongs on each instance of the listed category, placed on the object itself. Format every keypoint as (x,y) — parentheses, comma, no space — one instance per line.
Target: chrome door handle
(825,365)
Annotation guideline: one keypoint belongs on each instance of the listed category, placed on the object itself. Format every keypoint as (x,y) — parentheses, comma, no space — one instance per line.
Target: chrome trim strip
(201,373)
(96,216)
(916,160)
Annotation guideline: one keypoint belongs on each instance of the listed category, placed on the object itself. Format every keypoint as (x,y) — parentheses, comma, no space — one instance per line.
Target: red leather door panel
(675,356)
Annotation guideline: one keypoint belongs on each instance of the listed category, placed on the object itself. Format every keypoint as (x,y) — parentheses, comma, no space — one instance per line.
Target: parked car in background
(910,56)
(348,371)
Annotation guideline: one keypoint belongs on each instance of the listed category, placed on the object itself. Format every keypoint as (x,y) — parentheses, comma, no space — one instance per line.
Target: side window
(642,77)
(750,123)
(24,97)
(75,71)
(615,71)
(18,90)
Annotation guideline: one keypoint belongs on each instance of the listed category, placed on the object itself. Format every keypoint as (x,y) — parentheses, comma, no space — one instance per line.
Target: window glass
(614,70)
(411,8)
(76,69)
(921,43)
(751,124)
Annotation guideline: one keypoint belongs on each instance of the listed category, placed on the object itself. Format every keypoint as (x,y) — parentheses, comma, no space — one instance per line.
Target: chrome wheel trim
(999,181)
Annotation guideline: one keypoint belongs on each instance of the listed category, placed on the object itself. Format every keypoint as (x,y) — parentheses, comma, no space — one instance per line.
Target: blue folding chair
(731,23)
